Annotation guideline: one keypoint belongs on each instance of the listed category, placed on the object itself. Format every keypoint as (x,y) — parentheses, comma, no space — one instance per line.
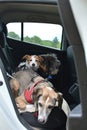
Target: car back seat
(7,60)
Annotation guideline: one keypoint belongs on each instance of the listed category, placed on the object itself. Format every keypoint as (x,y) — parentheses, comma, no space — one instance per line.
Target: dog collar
(28,93)
(49,77)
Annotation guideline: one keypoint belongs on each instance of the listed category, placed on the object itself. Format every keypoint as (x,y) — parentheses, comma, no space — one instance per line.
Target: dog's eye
(50,107)
(40,104)
(36,60)
(39,96)
(30,60)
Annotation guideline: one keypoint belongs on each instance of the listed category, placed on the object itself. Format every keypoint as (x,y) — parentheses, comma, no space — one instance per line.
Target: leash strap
(28,93)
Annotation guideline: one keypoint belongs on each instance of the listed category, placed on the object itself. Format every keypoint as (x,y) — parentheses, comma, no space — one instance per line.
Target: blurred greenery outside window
(44,34)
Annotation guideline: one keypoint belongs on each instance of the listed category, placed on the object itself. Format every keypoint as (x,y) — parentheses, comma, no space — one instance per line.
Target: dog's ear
(60,100)
(40,59)
(44,68)
(26,57)
(37,92)
(43,64)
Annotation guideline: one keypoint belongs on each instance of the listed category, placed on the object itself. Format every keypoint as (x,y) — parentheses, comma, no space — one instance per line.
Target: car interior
(12,50)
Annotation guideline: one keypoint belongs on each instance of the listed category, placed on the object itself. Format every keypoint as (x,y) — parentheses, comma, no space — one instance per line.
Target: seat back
(5,53)
(71,65)
(74,87)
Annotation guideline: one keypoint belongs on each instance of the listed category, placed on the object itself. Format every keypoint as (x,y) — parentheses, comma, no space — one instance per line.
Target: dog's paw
(20,104)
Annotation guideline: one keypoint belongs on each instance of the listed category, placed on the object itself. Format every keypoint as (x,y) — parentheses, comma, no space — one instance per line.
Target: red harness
(28,93)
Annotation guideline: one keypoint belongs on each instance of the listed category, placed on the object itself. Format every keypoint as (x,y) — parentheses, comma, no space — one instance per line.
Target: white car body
(8,117)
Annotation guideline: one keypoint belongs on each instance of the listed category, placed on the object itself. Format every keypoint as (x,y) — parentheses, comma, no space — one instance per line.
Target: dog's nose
(33,64)
(42,121)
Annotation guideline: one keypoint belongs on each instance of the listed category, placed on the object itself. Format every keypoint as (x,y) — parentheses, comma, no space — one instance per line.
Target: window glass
(14,30)
(37,33)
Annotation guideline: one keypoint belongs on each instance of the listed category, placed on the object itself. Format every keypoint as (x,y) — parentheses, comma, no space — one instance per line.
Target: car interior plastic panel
(77,121)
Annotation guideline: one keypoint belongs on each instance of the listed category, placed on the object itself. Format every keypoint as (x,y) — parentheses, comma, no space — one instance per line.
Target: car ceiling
(28,11)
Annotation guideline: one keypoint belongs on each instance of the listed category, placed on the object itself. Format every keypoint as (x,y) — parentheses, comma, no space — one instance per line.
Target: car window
(45,34)
(14,30)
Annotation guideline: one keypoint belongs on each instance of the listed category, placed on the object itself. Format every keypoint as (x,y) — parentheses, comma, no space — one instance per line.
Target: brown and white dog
(45,63)
(32,61)
(32,88)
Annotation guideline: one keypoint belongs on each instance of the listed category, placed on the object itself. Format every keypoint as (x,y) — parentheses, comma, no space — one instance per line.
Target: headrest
(2,40)
(4,29)
(1,26)
(3,33)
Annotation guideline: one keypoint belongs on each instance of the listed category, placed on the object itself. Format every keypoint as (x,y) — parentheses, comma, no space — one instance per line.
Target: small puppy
(32,88)
(32,61)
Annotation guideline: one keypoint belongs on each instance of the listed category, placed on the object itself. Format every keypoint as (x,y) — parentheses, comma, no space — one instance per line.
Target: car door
(8,119)
(70,20)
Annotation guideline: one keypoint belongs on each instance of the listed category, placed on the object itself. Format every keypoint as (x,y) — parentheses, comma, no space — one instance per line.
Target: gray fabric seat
(74,87)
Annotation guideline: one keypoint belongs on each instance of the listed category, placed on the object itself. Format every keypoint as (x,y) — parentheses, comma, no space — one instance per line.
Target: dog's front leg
(21,103)
(15,87)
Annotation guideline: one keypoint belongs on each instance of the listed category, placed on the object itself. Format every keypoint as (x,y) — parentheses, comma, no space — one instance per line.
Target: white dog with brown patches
(32,61)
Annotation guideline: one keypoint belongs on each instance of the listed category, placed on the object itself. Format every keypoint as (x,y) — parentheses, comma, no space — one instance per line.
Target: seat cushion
(56,120)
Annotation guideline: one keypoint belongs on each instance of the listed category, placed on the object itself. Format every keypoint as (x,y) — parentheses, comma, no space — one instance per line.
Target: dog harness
(28,92)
